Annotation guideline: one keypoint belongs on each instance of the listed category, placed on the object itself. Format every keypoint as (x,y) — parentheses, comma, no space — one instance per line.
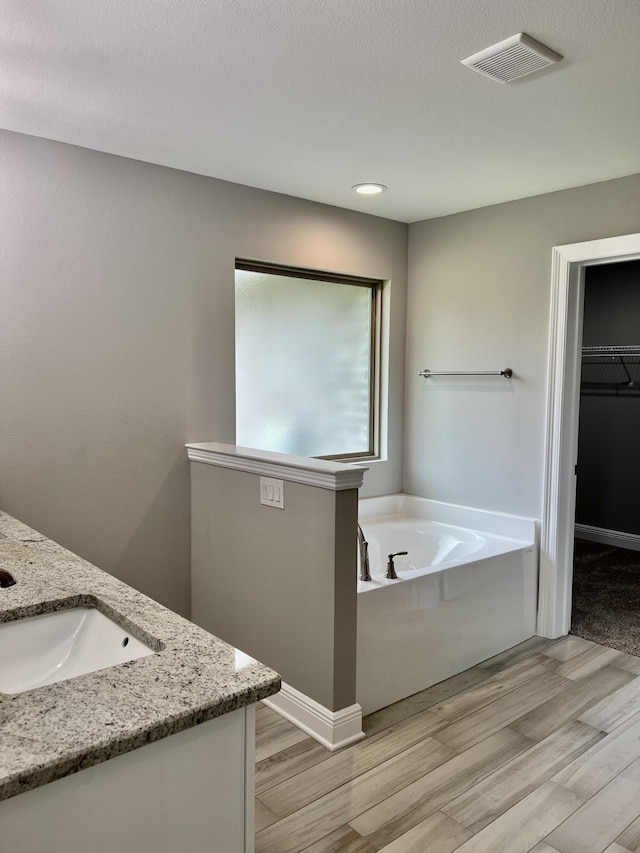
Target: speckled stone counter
(53,731)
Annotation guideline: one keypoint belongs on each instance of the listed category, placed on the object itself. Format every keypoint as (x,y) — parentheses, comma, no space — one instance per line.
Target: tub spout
(363,548)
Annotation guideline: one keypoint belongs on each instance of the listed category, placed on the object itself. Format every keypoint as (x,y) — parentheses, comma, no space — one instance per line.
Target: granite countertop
(53,731)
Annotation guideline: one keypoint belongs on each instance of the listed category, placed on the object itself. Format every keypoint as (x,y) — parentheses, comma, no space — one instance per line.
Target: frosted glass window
(304,364)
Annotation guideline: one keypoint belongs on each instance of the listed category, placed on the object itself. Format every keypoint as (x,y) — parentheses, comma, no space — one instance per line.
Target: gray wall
(608,485)
(257,570)
(478,299)
(116,341)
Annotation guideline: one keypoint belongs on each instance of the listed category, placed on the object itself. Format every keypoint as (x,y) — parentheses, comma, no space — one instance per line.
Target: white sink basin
(56,646)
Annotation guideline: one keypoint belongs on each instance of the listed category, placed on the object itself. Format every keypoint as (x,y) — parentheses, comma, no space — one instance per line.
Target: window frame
(375,286)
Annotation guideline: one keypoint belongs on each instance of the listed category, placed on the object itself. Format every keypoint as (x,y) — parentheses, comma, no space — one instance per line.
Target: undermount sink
(40,650)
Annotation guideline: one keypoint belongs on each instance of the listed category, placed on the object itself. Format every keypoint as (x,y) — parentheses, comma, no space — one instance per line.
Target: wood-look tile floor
(537,749)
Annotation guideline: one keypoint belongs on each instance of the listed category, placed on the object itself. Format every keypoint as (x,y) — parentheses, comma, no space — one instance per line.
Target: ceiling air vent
(512,58)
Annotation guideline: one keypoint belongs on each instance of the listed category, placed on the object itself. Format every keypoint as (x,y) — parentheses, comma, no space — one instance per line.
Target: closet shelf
(613,369)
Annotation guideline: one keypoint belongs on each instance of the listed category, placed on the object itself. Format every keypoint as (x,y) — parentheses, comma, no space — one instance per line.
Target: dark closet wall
(608,487)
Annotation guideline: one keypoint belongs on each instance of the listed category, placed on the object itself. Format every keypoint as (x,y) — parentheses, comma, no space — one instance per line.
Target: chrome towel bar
(507,373)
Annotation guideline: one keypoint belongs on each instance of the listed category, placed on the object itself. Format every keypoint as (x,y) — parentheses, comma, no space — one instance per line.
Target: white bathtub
(467,590)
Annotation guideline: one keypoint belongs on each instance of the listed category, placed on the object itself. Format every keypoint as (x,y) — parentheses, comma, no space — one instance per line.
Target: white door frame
(563,398)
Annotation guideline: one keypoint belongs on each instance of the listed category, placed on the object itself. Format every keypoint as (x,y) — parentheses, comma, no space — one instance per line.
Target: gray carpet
(606,595)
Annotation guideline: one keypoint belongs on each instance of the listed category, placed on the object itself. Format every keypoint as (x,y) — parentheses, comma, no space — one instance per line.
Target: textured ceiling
(308,97)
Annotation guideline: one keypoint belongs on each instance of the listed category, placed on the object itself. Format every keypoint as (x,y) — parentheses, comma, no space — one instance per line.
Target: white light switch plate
(272,492)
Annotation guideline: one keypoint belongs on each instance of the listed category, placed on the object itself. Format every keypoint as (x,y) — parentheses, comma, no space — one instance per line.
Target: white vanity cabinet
(191,792)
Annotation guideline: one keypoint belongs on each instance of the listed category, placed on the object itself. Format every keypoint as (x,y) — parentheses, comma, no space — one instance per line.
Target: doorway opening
(606,559)
(563,388)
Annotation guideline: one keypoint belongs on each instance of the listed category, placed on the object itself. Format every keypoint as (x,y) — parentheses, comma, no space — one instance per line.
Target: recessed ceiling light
(369,189)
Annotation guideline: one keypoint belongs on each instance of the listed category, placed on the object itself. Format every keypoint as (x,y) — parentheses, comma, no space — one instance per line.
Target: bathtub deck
(537,749)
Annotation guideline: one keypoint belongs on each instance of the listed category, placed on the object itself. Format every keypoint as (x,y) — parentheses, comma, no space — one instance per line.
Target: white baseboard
(616,538)
(333,729)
